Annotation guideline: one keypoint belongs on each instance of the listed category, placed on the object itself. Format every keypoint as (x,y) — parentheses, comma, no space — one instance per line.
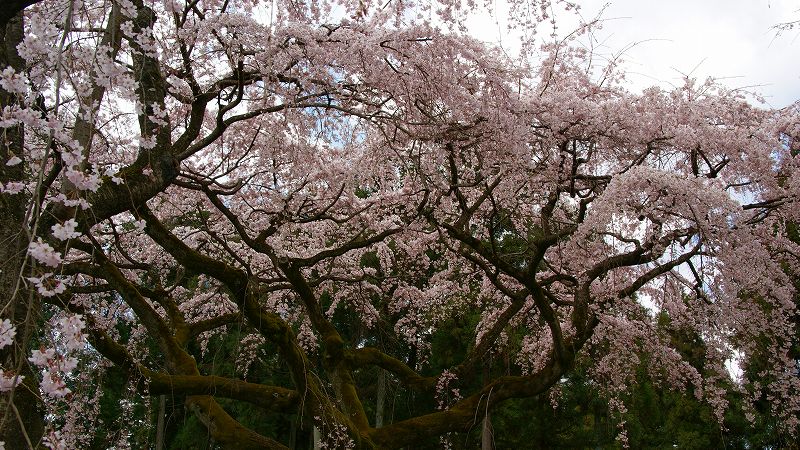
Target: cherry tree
(178,169)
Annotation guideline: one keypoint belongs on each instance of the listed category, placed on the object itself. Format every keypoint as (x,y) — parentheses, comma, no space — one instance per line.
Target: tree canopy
(257,209)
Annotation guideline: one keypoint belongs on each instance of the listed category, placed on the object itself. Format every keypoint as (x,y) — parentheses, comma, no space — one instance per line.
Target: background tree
(338,189)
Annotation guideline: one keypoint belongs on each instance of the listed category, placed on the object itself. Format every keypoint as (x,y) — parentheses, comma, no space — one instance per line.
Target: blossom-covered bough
(179,169)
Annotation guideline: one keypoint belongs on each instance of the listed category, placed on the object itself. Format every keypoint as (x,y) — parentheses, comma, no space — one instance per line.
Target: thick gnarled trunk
(21,414)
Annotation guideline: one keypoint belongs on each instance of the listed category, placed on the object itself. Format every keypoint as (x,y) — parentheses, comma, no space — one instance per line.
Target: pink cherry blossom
(338,182)
(66,230)
(7,332)
(44,253)
(9,381)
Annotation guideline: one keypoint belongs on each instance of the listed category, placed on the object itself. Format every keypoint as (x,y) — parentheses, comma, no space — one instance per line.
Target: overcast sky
(731,39)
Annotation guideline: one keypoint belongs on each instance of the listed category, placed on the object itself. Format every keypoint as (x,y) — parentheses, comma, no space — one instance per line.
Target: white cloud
(731,40)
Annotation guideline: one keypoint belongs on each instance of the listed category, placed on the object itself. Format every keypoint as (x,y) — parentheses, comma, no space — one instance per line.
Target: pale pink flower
(44,253)
(66,230)
(9,381)
(7,332)
(42,358)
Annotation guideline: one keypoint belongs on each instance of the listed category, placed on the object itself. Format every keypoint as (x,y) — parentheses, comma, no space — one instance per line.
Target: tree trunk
(21,412)
(487,434)
(317,443)
(301,435)
(11,8)
(293,434)
(162,409)
(381,398)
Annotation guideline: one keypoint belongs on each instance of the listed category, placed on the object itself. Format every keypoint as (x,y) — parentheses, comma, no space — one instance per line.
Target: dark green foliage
(578,418)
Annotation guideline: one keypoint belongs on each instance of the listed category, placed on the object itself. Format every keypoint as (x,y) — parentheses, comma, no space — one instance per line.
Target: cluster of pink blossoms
(56,363)
(8,380)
